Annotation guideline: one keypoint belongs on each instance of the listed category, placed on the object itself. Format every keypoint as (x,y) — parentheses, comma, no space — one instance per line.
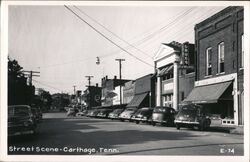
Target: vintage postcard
(124,80)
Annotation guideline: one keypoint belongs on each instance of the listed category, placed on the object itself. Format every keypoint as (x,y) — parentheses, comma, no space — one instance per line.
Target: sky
(64,47)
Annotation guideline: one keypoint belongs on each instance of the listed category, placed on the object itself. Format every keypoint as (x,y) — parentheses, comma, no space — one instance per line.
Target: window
(221,55)
(168,100)
(209,61)
(242,50)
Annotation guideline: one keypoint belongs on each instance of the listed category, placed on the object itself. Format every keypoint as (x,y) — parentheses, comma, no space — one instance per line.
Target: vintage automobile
(21,120)
(94,112)
(163,115)
(115,114)
(191,115)
(103,113)
(127,114)
(142,115)
(37,114)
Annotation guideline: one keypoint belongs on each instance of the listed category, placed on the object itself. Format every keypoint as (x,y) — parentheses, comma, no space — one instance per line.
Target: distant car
(192,116)
(82,113)
(127,114)
(163,115)
(94,112)
(20,120)
(71,112)
(115,114)
(103,113)
(142,115)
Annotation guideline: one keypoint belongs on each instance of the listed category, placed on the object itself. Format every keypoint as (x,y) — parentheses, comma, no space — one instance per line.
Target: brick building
(111,91)
(219,65)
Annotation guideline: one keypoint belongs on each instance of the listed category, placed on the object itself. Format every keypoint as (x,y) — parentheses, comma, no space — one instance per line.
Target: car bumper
(186,122)
(13,131)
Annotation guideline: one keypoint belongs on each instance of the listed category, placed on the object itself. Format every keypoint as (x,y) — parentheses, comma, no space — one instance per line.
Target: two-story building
(111,91)
(220,65)
(174,63)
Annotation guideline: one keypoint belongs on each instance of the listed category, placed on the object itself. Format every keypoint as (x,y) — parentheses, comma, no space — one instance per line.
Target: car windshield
(188,110)
(146,112)
(18,111)
(131,109)
(117,111)
(159,110)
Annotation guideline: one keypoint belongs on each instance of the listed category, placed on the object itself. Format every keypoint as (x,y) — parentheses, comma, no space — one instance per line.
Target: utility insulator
(97,60)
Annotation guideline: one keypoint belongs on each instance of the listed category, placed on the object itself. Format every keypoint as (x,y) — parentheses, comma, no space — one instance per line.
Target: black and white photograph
(140,80)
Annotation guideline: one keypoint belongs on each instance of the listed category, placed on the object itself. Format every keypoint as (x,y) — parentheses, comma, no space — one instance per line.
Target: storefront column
(176,86)
(235,96)
(158,91)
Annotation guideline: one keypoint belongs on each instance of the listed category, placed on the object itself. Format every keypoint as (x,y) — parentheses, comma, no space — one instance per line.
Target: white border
(3,76)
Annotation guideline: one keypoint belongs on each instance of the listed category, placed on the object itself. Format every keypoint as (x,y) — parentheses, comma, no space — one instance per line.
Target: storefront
(218,97)
(144,94)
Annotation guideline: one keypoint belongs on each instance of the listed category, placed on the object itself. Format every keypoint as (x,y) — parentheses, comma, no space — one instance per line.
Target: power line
(47,85)
(107,37)
(113,33)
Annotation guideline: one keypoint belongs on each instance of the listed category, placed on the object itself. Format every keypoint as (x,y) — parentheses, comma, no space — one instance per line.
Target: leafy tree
(18,90)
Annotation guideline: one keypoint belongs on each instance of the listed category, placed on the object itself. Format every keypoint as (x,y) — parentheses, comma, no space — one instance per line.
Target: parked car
(127,114)
(163,115)
(82,113)
(94,112)
(142,115)
(20,120)
(115,114)
(37,114)
(103,113)
(192,116)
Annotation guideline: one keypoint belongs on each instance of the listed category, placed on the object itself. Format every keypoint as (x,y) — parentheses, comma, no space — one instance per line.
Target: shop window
(221,57)
(168,100)
(209,61)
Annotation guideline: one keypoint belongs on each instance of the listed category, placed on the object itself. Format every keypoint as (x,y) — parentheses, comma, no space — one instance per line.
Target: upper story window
(209,61)
(242,51)
(221,56)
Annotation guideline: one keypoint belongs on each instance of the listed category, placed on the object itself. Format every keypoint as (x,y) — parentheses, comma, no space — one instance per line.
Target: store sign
(168,86)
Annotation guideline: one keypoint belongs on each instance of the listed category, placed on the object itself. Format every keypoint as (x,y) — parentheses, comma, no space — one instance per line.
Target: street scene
(126,80)
(62,135)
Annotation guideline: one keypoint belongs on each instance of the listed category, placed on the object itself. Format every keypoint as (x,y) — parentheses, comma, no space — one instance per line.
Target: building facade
(144,93)
(92,96)
(111,91)
(174,64)
(128,91)
(220,65)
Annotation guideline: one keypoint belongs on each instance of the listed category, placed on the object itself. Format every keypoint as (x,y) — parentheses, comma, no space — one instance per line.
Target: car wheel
(122,120)
(153,123)
(137,122)
(178,126)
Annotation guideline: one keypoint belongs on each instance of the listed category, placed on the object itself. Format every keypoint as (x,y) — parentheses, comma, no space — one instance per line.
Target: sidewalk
(217,127)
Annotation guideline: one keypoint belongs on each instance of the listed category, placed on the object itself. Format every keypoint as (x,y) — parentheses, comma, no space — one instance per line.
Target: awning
(208,93)
(137,100)
(166,70)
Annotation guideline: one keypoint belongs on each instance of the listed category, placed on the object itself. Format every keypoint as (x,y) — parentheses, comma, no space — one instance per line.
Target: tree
(18,90)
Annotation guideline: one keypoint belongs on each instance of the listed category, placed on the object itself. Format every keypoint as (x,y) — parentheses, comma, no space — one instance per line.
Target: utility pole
(31,74)
(120,71)
(74,89)
(89,78)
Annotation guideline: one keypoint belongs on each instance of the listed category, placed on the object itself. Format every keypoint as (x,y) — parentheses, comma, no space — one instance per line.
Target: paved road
(59,134)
